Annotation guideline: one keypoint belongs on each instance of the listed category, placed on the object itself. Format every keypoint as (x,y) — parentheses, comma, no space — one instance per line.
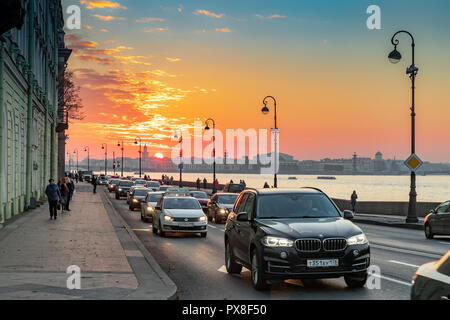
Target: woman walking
(353,198)
(64,191)
(53,196)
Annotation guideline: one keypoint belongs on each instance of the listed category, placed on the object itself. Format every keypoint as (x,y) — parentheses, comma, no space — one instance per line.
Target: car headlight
(277,242)
(358,239)
(203,218)
(135,200)
(222,210)
(150,209)
(168,218)
(120,189)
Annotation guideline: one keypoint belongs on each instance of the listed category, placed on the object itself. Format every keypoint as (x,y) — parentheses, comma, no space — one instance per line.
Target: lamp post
(180,165)
(120,144)
(214,150)
(105,147)
(87,149)
(69,156)
(76,151)
(395,57)
(114,162)
(140,154)
(265,110)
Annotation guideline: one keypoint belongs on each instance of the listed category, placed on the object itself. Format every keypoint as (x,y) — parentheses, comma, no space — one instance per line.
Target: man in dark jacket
(94,183)
(53,195)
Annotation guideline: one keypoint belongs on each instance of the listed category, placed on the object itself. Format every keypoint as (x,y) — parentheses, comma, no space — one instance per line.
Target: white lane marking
(214,227)
(413,252)
(392,280)
(404,263)
(444,242)
(222,269)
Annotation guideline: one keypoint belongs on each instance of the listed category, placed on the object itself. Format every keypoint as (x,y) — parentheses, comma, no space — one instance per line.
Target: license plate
(322,263)
(186,224)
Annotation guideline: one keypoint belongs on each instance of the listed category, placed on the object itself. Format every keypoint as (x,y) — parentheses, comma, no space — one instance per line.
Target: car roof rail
(313,188)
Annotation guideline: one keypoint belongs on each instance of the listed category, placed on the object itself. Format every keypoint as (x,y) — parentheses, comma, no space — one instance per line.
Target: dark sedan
(137,196)
(437,222)
(122,188)
(286,234)
(220,205)
(432,280)
(202,198)
(112,185)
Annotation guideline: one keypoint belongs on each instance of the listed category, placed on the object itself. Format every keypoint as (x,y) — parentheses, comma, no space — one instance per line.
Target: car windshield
(114,181)
(181,203)
(295,205)
(140,182)
(154,197)
(125,183)
(235,187)
(199,195)
(227,199)
(140,192)
(152,184)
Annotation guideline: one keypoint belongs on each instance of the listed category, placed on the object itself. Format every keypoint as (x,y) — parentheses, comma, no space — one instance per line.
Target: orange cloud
(90,57)
(226,30)
(144,20)
(106,18)
(173,59)
(157,30)
(102,4)
(209,14)
(273,16)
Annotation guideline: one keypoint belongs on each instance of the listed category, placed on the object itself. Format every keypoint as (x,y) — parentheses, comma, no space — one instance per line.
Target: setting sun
(159,155)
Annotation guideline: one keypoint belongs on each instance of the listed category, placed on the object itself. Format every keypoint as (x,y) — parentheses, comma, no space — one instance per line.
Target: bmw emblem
(185,219)
(320,235)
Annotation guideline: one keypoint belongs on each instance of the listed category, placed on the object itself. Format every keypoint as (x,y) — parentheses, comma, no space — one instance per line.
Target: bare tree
(72,101)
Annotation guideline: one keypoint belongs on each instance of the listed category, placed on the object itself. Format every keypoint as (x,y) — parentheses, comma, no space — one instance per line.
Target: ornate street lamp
(180,165)
(265,110)
(105,147)
(140,154)
(87,149)
(214,150)
(76,151)
(395,57)
(120,144)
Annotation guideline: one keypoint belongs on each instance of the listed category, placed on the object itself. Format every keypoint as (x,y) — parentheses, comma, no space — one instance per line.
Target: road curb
(386,224)
(170,285)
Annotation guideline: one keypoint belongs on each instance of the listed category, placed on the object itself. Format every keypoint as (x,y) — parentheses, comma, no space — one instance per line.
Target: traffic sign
(413,162)
(180,166)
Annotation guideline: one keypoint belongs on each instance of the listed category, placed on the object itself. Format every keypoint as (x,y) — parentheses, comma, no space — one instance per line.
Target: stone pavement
(36,251)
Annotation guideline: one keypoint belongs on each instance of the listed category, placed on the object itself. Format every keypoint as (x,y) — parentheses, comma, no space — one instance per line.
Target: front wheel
(161,233)
(230,264)
(203,234)
(356,281)
(428,233)
(259,283)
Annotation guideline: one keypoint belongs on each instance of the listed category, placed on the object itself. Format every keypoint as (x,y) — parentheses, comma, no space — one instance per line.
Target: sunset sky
(147,67)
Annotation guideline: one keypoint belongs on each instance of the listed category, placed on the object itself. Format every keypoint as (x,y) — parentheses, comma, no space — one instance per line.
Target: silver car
(179,215)
(149,204)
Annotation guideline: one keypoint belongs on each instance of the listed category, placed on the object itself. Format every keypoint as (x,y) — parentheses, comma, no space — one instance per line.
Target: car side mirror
(157,208)
(242,216)
(432,211)
(348,215)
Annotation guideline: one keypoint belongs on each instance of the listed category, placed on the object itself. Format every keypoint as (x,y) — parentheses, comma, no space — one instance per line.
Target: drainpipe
(29,168)
(45,164)
(2,219)
(55,100)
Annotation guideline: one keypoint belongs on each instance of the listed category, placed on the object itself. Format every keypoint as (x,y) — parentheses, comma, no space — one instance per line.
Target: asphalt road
(196,264)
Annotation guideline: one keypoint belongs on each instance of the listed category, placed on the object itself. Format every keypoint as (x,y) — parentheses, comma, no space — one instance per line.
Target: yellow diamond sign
(413,162)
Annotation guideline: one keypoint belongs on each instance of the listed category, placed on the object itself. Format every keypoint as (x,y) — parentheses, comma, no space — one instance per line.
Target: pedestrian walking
(94,183)
(71,187)
(204,183)
(198,183)
(353,198)
(266,185)
(64,191)
(53,196)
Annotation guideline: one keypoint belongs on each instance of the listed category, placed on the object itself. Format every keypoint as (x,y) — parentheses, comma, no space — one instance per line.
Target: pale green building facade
(30,61)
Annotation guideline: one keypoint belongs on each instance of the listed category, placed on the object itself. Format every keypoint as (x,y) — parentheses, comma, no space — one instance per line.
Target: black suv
(122,187)
(294,234)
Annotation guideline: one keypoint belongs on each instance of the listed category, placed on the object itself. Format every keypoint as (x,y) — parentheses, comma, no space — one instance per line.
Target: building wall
(28,102)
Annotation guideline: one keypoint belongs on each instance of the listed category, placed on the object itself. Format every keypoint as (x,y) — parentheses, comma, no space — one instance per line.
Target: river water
(433,188)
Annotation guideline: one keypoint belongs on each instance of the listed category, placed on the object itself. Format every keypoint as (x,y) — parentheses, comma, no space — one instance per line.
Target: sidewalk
(388,220)
(36,251)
